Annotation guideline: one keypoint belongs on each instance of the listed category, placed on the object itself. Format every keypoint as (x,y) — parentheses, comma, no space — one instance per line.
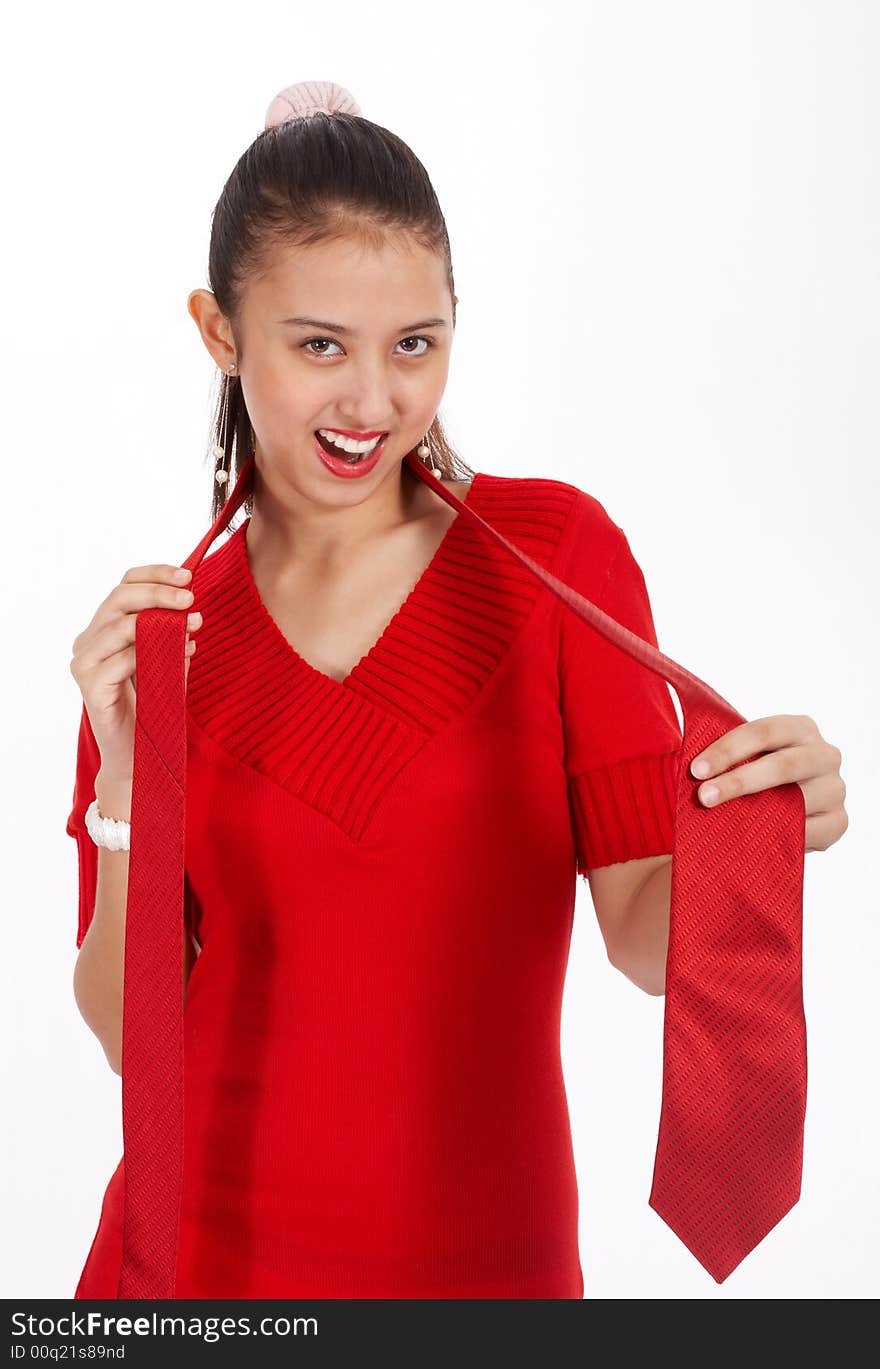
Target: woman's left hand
(797,752)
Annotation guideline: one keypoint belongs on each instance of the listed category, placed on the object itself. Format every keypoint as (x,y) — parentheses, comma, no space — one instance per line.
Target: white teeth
(348,444)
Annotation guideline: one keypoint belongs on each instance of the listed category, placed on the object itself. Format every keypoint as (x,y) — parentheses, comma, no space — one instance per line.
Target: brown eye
(310,340)
(427,341)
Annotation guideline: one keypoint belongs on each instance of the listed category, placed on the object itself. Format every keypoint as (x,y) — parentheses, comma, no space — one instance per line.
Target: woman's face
(376,362)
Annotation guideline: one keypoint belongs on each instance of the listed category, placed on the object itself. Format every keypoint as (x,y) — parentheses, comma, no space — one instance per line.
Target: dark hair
(308,180)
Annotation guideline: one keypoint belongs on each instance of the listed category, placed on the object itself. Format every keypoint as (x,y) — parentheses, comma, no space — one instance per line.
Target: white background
(664,224)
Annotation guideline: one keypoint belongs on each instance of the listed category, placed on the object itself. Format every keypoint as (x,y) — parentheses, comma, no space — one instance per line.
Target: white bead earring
(425,451)
(221,474)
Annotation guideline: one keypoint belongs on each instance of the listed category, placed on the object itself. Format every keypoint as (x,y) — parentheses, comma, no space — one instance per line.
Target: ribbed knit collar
(338,745)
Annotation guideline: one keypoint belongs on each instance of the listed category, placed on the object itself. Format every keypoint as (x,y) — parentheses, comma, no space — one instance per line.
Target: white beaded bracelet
(112,833)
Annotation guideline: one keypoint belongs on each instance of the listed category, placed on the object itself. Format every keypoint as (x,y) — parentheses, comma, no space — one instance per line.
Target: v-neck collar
(339,745)
(384,645)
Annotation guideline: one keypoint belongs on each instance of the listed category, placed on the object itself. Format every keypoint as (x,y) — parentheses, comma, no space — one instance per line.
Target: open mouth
(352,458)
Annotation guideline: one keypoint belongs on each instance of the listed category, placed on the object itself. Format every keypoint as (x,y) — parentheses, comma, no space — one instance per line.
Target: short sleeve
(88,763)
(622,734)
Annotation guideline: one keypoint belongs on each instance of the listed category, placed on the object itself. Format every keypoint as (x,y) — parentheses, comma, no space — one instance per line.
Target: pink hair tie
(306,98)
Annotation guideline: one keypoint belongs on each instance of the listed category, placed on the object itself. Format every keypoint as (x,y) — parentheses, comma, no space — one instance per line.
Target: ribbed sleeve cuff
(624,811)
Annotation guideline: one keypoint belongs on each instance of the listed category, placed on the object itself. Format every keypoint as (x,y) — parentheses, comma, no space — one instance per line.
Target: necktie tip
(718,1252)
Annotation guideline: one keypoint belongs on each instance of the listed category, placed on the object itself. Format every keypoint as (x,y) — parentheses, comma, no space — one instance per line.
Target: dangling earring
(425,451)
(221,475)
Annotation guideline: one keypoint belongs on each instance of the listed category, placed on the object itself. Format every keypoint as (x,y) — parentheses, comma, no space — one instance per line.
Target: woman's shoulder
(585,525)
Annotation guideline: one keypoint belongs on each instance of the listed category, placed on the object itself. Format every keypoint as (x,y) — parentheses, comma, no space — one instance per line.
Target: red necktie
(152,1015)
(729,1152)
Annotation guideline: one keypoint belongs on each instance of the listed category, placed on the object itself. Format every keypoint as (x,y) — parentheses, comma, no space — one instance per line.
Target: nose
(368,401)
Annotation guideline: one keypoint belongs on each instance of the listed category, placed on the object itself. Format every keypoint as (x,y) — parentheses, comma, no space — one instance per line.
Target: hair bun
(306,98)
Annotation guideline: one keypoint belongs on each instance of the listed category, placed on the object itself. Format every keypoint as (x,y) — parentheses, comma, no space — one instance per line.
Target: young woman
(401,750)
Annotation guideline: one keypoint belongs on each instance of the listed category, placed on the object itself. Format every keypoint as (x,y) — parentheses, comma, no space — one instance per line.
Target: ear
(213,326)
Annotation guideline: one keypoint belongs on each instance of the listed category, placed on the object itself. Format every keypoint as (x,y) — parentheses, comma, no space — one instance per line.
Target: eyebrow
(341,328)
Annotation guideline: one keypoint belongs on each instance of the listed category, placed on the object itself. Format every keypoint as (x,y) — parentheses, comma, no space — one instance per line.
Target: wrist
(113,792)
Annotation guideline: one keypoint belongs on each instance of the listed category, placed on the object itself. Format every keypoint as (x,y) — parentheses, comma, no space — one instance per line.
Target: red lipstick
(348,470)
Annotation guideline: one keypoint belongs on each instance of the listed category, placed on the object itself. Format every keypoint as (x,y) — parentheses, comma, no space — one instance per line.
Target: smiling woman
(398,757)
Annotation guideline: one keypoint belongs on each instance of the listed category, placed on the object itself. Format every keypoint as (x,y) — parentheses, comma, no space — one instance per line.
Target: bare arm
(99,970)
(632,902)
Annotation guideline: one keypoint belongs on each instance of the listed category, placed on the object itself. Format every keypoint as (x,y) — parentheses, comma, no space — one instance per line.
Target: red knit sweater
(381,875)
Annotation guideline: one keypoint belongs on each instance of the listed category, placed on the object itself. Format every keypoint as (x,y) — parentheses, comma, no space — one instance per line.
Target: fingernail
(709,793)
(182,574)
(700,769)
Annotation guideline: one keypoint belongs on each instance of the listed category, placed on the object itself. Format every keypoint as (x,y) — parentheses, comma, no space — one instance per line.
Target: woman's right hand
(104,664)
